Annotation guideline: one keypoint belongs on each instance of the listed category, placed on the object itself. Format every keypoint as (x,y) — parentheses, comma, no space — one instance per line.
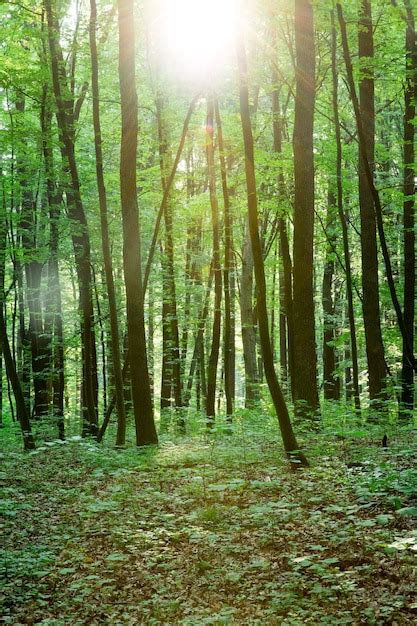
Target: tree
(290,443)
(139,374)
(305,379)
(370,281)
(108,266)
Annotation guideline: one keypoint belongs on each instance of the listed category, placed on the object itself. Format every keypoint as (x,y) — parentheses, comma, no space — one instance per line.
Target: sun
(194,39)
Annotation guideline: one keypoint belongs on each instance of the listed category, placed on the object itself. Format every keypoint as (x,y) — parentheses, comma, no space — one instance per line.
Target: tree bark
(331,384)
(291,447)
(247,324)
(105,240)
(215,339)
(369,249)
(410,109)
(228,337)
(139,374)
(81,240)
(304,378)
(343,222)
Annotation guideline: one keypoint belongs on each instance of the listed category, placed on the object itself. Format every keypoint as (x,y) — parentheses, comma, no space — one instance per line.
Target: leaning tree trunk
(290,443)
(139,374)
(22,413)
(305,378)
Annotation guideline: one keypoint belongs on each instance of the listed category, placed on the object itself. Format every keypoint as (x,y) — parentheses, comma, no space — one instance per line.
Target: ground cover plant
(212,530)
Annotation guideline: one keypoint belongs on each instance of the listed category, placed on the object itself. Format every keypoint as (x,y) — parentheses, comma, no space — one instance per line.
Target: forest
(207,312)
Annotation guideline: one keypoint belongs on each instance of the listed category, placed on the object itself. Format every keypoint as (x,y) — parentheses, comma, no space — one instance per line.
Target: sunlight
(195,38)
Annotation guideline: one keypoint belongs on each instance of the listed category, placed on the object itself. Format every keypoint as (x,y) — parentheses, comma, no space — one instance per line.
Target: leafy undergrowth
(210,531)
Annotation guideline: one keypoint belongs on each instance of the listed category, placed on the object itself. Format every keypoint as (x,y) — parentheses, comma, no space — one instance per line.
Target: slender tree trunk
(215,339)
(198,354)
(166,373)
(105,240)
(290,443)
(170,294)
(247,324)
(285,273)
(330,381)
(53,315)
(229,339)
(410,110)
(369,249)
(21,409)
(304,378)
(140,384)
(343,222)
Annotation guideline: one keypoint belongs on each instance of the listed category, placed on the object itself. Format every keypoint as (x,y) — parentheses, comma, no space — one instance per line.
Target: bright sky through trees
(195,38)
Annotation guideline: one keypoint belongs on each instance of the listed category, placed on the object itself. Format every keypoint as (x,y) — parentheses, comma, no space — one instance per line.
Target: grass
(212,530)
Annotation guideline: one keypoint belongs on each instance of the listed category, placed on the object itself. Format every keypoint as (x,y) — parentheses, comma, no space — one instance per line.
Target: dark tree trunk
(21,409)
(410,109)
(39,348)
(343,222)
(369,249)
(304,378)
(331,384)
(374,190)
(81,240)
(166,373)
(286,318)
(105,240)
(290,443)
(215,339)
(198,355)
(139,374)
(247,324)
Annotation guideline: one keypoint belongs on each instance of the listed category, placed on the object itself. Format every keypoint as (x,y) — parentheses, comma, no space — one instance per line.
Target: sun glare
(195,38)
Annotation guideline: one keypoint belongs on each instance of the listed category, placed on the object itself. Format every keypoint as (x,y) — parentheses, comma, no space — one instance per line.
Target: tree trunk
(170,299)
(215,339)
(139,374)
(105,240)
(369,250)
(290,443)
(304,378)
(53,314)
(228,337)
(410,109)
(247,324)
(81,240)
(343,222)
(39,348)
(22,413)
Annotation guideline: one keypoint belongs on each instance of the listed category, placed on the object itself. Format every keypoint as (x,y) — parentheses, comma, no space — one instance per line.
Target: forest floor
(211,531)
